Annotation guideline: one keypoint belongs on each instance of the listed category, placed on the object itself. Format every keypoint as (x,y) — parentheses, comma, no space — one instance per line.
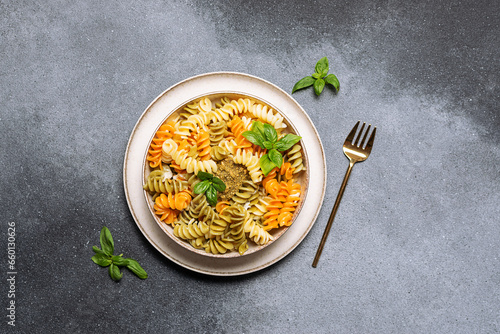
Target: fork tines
(358,142)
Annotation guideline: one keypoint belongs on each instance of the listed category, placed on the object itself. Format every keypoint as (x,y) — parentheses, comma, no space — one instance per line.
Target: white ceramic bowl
(302,177)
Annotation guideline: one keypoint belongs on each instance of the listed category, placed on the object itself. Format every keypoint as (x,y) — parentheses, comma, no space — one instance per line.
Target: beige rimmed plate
(212,84)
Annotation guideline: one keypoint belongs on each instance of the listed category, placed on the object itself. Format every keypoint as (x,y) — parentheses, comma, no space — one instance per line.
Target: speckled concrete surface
(415,244)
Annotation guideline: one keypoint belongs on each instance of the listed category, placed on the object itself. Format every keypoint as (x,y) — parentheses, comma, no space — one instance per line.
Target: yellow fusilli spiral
(193,230)
(294,157)
(182,159)
(252,162)
(257,232)
(219,246)
(266,114)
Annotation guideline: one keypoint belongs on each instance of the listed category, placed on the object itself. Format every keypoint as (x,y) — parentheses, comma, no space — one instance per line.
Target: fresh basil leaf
(331,79)
(318,86)
(303,83)
(258,127)
(266,164)
(270,133)
(218,184)
(254,137)
(97,250)
(134,266)
(316,75)
(268,144)
(204,175)
(118,261)
(287,142)
(201,187)
(101,259)
(275,157)
(211,196)
(115,273)
(107,244)
(322,67)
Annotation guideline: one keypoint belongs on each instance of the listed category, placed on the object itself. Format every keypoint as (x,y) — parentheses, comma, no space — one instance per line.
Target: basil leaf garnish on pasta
(204,175)
(287,142)
(266,164)
(275,157)
(211,196)
(218,184)
(270,133)
(268,144)
(104,257)
(201,187)
(209,186)
(254,137)
(258,127)
(319,78)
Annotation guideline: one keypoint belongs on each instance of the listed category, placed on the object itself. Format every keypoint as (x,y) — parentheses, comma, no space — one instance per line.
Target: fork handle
(332,215)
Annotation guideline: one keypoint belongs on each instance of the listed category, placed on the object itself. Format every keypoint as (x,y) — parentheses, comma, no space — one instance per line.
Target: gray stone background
(415,245)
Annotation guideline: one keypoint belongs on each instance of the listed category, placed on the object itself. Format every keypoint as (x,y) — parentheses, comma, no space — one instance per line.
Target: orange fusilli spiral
(203,144)
(270,184)
(272,214)
(165,132)
(237,128)
(178,201)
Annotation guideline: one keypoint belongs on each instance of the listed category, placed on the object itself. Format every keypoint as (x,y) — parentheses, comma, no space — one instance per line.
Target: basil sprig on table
(265,136)
(104,257)
(209,185)
(319,78)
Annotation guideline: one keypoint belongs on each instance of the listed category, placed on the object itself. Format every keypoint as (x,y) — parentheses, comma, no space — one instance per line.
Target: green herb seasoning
(233,175)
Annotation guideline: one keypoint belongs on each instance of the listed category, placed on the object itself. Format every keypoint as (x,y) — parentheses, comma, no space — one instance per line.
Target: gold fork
(356,150)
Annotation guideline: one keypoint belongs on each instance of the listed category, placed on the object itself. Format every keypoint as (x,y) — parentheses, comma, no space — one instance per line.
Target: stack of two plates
(215,85)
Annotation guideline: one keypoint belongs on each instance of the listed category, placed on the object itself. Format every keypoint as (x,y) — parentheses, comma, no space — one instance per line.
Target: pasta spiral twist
(184,161)
(178,201)
(156,182)
(217,132)
(247,193)
(165,132)
(263,113)
(257,232)
(294,157)
(203,145)
(193,230)
(252,162)
(237,127)
(218,153)
(218,246)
